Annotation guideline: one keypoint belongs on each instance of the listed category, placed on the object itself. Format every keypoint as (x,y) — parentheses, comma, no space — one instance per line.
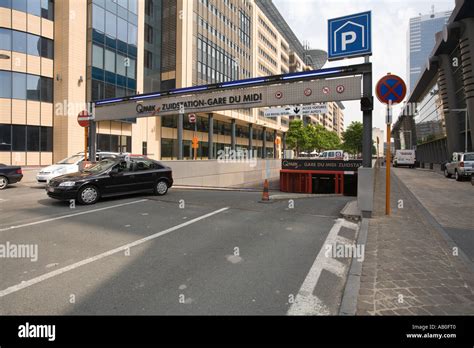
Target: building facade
(420,42)
(61,56)
(439,114)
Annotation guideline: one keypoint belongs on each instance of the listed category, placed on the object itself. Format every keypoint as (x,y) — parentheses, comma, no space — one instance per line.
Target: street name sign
(350,36)
(305,110)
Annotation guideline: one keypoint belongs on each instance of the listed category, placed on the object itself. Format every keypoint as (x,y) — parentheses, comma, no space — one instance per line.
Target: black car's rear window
(101,166)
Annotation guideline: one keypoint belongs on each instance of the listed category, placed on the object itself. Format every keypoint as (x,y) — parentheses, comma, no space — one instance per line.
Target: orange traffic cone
(265,195)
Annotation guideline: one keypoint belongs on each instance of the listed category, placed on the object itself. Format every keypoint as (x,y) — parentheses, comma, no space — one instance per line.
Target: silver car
(461,166)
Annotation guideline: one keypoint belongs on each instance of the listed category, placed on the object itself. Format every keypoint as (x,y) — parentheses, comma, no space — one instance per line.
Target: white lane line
(305,302)
(71,215)
(57,272)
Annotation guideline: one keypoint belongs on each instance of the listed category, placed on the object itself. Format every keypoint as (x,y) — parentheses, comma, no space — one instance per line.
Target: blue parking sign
(350,36)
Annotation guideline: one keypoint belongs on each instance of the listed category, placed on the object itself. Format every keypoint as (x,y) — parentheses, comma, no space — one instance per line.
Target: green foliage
(353,138)
(311,137)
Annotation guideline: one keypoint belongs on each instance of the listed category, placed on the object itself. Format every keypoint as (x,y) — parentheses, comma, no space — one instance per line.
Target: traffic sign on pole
(305,110)
(350,36)
(83,118)
(390,90)
(192,118)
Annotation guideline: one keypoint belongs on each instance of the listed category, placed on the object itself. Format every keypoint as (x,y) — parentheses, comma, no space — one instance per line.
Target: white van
(332,154)
(404,158)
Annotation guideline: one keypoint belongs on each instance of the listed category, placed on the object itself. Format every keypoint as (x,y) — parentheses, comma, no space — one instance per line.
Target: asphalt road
(190,252)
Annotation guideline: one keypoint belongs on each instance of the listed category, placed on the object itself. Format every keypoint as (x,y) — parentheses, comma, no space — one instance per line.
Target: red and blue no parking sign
(391,89)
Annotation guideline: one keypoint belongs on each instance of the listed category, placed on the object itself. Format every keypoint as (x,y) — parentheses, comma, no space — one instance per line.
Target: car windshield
(72,160)
(101,166)
(469,157)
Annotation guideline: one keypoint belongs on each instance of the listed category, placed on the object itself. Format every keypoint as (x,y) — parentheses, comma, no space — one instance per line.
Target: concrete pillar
(211,136)
(264,142)
(447,87)
(232,134)
(367,122)
(180,136)
(274,144)
(467,49)
(251,140)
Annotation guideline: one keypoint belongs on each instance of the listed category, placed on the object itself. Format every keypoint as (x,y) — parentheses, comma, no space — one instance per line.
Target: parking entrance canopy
(316,86)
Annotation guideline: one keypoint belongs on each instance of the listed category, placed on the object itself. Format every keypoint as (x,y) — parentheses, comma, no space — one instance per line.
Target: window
(5,39)
(109,61)
(46,144)
(47,9)
(131,69)
(19,5)
(5,137)
(32,138)
(18,138)
(110,24)
(19,42)
(33,45)
(98,18)
(142,165)
(148,60)
(123,3)
(5,84)
(144,147)
(122,30)
(46,89)
(33,87)
(148,33)
(97,57)
(34,7)
(47,48)
(18,86)
(132,34)
(121,62)
(132,6)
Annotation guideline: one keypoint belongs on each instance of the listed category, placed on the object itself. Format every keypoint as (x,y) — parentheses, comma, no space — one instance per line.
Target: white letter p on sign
(347,38)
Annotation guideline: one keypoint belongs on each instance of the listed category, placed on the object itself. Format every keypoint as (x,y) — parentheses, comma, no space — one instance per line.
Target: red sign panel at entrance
(83,118)
(391,89)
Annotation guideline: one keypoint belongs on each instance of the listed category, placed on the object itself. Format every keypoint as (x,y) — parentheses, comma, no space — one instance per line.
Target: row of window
(265,70)
(40,8)
(220,127)
(114,62)
(17,85)
(244,29)
(214,63)
(19,41)
(219,15)
(267,42)
(26,138)
(222,37)
(267,57)
(102,90)
(117,6)
(267,27)
(169,149)
(114,26)
(114,143)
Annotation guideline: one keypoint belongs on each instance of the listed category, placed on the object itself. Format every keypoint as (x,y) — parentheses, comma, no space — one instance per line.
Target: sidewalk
(409,267)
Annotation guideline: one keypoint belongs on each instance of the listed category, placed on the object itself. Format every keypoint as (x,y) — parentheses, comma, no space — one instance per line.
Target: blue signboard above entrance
(350,36)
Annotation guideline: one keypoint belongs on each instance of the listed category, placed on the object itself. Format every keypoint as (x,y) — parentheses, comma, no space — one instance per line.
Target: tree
(353,138)
(297,138)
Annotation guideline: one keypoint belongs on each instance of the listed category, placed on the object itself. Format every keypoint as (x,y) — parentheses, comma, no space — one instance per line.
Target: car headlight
(67,184)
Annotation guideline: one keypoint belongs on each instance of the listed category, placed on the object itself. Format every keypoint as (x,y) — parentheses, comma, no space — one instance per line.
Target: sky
(390,18)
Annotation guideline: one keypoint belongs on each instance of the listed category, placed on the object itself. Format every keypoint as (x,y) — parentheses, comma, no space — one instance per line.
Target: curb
(283,197)
(351,290)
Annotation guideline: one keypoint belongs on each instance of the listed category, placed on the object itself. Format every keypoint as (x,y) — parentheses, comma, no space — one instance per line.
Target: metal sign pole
(388,160)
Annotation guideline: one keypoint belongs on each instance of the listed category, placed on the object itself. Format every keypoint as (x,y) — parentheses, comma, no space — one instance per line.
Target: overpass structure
(317,86)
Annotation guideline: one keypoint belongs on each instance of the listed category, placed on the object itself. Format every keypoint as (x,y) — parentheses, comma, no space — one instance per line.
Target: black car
(9,175)
(112,177)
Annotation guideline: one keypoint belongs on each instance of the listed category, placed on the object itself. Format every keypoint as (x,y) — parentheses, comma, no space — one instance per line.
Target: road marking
(28,283)
(71,215)
(305,302)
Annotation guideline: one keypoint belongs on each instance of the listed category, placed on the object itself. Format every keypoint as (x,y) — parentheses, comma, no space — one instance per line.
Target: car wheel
(3,182)
(88,195)
(161,188)
(446,173)
(457,176)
